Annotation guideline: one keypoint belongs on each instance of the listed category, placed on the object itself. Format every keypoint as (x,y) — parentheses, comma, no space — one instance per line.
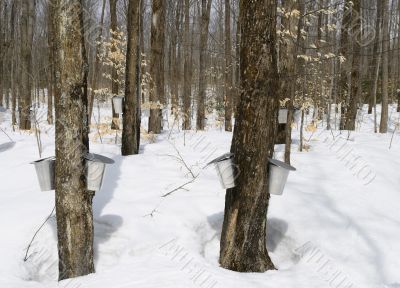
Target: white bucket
(45,171)
(297,115)
(118,104)
(225,169)
(95,167)
(278,175)
(283,116)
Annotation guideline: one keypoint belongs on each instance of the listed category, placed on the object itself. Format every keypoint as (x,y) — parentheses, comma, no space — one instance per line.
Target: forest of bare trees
(235,65)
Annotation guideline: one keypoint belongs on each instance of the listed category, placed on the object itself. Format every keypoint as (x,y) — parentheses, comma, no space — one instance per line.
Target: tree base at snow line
(243,238)
(238,253)
(155,121)
(115,118)
(75,234)
(281,134)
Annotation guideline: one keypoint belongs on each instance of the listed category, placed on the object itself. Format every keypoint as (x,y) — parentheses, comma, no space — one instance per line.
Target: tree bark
(157,93)
(187,79)
(2,52)
(27,25)
(243,239)
(131,123)
(205,20)
(114,73)
(288,57)
(73,201)
(376,59)
(174,64)
(228,69)
(96,65)
(351,112)
(385,68)
(344,51)
(13,66)
(50,41)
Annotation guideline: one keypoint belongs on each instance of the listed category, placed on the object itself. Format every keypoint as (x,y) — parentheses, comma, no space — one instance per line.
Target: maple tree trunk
(131,123)
(351,112)
(243,239)
(157,93)
(27,24)
(383,128)
(73,201)
(96,65)
(201,101)
(187,85)
(228,69)
(114,73)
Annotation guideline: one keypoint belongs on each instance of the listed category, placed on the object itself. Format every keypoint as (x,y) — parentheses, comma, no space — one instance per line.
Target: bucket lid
(226,156)
(99,158)
(44,159)
(119,97)
(281,164)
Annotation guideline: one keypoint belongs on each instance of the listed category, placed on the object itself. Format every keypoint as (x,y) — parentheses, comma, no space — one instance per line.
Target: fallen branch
(37,231)
(182,187)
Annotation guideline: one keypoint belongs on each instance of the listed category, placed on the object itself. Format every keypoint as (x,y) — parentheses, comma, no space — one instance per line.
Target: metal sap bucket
(278,175)
(118,102)
(45,171)
(225,169)
(95,167)
(283,116)
(297,115)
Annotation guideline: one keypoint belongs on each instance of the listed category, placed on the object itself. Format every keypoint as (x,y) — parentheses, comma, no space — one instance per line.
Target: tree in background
(157,90)
(205,21)
(383,128)
(131,117)
(114,71)
(27,26)
(228,69)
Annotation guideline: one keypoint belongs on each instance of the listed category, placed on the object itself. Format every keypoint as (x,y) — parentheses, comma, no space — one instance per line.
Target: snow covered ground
(336,225)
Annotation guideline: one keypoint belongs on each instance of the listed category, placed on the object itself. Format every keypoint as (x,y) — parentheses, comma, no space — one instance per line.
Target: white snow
(330,228)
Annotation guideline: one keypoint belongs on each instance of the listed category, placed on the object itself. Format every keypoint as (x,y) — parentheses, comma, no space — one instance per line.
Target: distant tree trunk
(143,65)
(228,68)
(243,239)
(174,61)
(13,66)
(73,201)
(114,72)
(27,25)
(187,79)
(205,20)
(237,72)
(376,59)
(2,52)
(344,51)
(351,112)
(398,58)
(131,123)
(385,68)
(96,65)
(157,93)
(50,41)
(288,60)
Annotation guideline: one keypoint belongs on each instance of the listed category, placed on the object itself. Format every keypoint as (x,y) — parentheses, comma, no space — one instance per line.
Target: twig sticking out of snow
(182,187)
(34,236)
(6,134)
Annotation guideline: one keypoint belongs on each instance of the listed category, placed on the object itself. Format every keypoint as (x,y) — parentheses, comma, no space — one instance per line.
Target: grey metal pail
(45,171)
(278,175)
(95,167)
(225,169)
(118,103)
